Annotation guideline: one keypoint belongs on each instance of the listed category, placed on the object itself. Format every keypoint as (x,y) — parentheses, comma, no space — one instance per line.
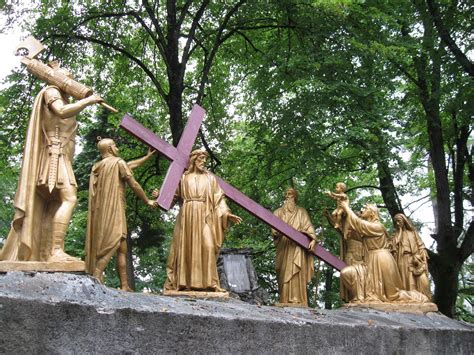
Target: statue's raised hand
(234,218)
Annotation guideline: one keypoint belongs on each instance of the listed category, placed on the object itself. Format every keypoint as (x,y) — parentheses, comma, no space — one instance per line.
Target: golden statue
(294,265)
(352,251)
(199,232)
(411,256)
(339,194)
(46,193)
(107,224)
(379,279)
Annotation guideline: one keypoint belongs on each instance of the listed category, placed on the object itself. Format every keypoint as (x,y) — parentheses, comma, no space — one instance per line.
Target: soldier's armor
(55,170)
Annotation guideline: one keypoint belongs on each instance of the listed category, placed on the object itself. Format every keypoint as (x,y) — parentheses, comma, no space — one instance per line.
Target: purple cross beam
(179,157)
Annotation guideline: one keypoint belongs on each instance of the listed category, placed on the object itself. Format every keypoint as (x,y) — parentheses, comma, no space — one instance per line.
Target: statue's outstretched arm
(138,162)
(137,189)
(68,110)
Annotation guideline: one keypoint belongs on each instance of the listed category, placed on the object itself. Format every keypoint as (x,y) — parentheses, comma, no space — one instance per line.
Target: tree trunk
(175,72)
(445,276)
(387,188)
(328,275)
(176,112)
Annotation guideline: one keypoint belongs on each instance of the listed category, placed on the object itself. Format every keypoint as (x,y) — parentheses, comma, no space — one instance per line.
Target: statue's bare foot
(60,256)
(99,275)
(126,289)
(218,289)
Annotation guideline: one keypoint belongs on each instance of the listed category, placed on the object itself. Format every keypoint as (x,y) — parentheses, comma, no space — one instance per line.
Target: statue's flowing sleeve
(364,228)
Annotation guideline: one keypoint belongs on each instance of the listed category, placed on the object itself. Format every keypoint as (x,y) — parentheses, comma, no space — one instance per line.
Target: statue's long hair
(192,159)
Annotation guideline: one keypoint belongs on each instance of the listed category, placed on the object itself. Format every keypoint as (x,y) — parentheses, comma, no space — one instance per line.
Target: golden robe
(407,245)
(382,278)
(106,222)
(198,234)
(29,236)
(294,265)
(353,253)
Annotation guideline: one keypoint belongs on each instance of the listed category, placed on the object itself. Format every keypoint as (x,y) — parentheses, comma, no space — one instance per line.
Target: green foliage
(297,93)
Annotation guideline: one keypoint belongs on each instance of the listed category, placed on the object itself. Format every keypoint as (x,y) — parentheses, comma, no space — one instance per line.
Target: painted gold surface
(199,231)
(294,265)
(107,223)
(46,192)
(411,256)
(378,278)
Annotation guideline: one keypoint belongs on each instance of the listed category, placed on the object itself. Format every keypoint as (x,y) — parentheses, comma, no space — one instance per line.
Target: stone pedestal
(58,313)
(195,294)
(55,266)
(396,306)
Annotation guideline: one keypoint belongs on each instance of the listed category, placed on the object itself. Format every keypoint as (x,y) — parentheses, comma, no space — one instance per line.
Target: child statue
(338,195)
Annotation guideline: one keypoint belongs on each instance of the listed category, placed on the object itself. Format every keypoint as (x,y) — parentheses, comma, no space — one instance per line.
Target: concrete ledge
(66,313)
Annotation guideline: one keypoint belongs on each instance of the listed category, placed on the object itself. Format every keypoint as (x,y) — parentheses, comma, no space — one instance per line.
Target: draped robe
(382,279)
(198,234)
(407,244)
(294,265)
(29,238)
(106,222)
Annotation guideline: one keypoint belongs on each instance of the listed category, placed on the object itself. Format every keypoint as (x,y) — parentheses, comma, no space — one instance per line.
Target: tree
(298,93)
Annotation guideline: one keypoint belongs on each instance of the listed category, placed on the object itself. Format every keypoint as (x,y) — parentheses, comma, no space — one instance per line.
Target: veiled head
(402,221)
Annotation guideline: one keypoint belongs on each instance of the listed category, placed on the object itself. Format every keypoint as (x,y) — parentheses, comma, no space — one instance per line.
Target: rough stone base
(57,313)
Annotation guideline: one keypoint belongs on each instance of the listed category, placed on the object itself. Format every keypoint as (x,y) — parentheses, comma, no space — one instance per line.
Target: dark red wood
(180,163)
(276,223)
(176,169)
(149,138)
(179,156)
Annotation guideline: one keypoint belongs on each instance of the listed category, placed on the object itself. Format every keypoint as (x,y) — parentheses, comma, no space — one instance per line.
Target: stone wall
(58,313)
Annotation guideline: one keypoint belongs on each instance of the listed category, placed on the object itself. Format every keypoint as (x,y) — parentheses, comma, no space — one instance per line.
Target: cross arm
(276,223)
(180,162)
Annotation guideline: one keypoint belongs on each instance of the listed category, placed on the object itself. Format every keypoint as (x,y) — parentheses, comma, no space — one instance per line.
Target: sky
(8,60)
(8,43)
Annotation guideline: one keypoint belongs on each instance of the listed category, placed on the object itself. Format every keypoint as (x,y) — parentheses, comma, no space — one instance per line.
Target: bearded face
(290,202)
(200,163)
(369,212)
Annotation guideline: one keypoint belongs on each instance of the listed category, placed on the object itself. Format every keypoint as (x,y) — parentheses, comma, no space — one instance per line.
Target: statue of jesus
(199,232)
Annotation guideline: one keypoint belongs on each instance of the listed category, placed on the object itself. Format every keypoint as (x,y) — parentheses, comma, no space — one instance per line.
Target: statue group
(380,268)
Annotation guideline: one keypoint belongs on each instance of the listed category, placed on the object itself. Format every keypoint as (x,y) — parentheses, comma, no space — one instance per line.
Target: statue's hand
(234,219)
(151,151)
(155,193)
(151,203)
(312,244)
(95,99)
(344,204)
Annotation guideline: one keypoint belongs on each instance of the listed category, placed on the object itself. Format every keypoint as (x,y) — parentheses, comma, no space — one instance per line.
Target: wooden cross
(179,157)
